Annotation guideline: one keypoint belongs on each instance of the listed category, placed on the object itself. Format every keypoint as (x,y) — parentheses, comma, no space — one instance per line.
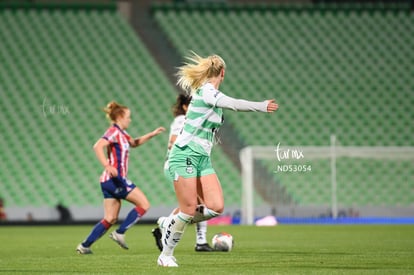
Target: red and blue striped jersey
(117,150)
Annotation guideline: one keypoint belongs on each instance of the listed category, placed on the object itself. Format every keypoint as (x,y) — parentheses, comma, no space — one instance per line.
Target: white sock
(201,230)
(163,221)
(174,230)
(203,213)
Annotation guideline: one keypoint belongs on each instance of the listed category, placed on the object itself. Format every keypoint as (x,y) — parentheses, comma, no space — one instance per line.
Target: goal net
(334,181)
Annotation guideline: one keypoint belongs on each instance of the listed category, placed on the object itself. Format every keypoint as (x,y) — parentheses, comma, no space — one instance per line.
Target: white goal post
(251,153)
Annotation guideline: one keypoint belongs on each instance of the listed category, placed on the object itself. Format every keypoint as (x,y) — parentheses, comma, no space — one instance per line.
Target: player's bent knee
(111,220)
(219,210)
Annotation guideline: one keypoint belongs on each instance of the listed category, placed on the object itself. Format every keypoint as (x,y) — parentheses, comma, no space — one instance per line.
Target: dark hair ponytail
(178,107)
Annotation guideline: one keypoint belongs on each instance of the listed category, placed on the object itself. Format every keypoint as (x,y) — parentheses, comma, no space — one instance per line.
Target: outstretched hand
(141,140)
(272,105)
(158,131)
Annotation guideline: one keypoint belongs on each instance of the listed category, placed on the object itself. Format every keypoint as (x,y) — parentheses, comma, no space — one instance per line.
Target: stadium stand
(334,69)
(60,66)
(342,69)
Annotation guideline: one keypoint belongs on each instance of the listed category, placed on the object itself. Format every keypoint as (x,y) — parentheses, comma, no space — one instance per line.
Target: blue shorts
(117,188)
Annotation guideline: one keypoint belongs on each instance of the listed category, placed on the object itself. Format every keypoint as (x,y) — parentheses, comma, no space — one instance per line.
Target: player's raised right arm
(227,102)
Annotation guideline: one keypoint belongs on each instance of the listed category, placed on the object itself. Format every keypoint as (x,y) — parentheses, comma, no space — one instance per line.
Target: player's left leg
(111,209)
(138,198)
(212,195)
(209,192)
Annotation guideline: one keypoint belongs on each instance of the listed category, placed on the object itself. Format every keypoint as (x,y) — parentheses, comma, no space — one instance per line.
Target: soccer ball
(223,242)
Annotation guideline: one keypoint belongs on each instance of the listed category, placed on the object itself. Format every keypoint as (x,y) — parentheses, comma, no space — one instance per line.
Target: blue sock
(97,232)
(133,216)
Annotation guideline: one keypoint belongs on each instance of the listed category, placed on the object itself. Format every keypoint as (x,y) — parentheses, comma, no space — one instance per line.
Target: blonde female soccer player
(115,185)
(189,160)
(180,108)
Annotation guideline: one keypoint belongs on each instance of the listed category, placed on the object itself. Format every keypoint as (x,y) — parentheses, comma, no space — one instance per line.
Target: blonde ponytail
(198,70)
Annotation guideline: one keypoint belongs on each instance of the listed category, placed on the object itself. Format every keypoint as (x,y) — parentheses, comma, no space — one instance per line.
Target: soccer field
(284,249)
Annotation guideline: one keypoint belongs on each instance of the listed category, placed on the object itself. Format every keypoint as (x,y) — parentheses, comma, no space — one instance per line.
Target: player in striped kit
(114,182)
(179,110)
(189,160)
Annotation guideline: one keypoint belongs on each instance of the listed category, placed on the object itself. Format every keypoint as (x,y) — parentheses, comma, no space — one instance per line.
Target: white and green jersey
(205,116)
(203,119)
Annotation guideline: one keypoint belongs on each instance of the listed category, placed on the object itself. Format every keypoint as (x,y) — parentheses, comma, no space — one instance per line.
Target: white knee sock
(174,231)
(201,229)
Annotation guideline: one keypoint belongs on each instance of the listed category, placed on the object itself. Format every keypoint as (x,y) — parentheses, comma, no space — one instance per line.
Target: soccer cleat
(156,232)
(83,250)
(167,261)
(205,247)
(119,239)
(162,223)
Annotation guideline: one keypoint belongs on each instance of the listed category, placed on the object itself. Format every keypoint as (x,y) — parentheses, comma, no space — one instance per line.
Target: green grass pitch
(283,249)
